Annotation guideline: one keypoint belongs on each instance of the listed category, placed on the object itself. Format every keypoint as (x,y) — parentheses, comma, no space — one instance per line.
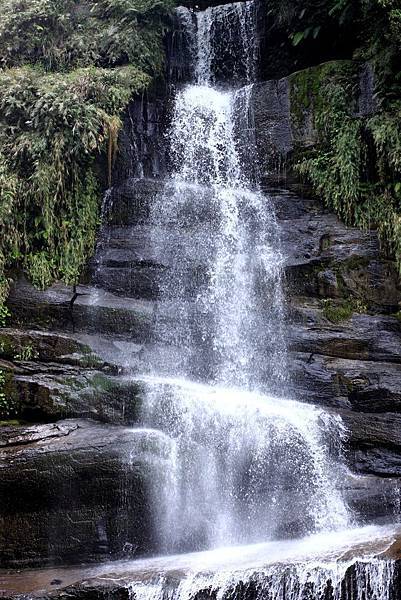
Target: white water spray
(245,466)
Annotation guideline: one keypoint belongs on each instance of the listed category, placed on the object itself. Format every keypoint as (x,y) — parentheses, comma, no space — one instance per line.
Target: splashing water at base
(315,568)
(244,467)
(317,581)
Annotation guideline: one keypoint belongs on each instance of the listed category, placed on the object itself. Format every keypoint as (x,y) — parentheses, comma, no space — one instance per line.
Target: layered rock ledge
(323,566)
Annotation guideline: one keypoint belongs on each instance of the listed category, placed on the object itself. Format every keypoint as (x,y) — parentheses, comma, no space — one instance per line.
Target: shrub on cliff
(356,167)
(68,70)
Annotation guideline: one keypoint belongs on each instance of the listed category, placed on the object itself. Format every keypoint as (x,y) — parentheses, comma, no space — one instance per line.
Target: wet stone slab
(324,565)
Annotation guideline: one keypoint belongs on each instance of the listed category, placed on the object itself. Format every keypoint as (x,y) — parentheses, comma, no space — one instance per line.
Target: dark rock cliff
(74,480)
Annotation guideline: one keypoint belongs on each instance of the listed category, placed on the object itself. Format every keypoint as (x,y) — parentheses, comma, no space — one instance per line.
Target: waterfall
(306,580)
(246,464)
(244,467)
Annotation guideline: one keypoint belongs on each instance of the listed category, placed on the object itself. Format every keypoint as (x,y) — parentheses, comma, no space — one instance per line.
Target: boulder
(49,392)
(374,442)
(365,386)
(76,491)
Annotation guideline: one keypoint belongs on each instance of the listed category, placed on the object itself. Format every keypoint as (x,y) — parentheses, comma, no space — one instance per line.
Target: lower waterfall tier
(241,466)
(320,567)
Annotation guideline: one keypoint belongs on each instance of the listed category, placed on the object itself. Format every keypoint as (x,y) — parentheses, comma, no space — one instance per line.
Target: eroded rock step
(85,310)
(76,490)
(356,384)
(323,258)
(351,364)
(247,573)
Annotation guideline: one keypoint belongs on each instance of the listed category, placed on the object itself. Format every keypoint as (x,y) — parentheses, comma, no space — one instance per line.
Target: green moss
(343,382)
(103,383)
(355,262)
(307,89)
(91,361)
(11,423)
(337,311)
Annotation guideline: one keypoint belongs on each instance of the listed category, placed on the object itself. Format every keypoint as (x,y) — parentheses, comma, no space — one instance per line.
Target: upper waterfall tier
(222,42)
(237,247)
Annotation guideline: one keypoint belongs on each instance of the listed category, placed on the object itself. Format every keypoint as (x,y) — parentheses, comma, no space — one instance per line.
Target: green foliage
(66,34)
(4,315)
(371,27)
(3,401)
(69,69)
(311,19)
(338,168)
(27,352)
(8,401)
(339,311)
(300,36)
(52,128)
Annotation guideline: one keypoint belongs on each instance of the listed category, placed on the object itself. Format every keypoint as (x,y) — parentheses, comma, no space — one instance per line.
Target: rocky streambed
(320,565)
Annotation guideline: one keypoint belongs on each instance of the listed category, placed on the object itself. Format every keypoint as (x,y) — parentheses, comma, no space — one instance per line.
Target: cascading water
(244,466)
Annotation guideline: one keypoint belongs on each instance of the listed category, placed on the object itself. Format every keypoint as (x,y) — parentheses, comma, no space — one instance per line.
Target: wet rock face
(327,260)
(76,491)
(86,489)
(141,145)
(179,46)
(273,133)
(284,117)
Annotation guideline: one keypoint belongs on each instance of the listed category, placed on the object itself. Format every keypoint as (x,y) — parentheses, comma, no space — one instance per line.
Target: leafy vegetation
(4,408)
(9,401)
(68,70)
(356,168)
(26,353)
(68,34)
(342,310)
(4,315)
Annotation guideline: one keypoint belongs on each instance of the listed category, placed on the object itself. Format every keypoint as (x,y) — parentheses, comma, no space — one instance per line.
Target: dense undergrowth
(67,71)
(356,167)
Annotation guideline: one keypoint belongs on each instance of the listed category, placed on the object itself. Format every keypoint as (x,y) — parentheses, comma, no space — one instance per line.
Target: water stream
(246,463)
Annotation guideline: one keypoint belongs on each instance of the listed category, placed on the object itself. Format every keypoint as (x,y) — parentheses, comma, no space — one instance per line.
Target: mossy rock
(307,99)
(21,345)
(336,312)
(48,396)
